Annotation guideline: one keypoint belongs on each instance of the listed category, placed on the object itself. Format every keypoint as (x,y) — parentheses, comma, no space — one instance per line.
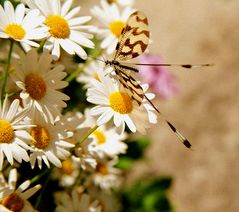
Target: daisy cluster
(44,48)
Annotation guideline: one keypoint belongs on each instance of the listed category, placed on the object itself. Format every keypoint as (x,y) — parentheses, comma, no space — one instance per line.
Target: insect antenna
(188,66)
(185,141)
(97,59)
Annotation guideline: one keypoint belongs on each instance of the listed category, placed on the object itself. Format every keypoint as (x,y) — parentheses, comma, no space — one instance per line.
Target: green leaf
(137,147)
(147,195)
(125,163)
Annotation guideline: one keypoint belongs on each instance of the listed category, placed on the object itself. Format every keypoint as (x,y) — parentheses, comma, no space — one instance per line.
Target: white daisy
(90,72)
(21,26)
(68,173)
(113,22)
(108,142)
(12,199)
(40,82)
(13,135)
(76,201)
(49,142)
(65,27)
(110,203)
(106,176)
(105,141)
(67,61)
(113,102)
(83,155)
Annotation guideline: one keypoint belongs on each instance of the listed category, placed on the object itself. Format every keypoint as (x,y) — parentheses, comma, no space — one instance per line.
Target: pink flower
(159,79)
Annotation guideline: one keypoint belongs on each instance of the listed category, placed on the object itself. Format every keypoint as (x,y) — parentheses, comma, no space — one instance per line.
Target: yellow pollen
(121,102)
(35,86)
(15,31)
(100,137)
(102,169)
(67,167)
(116,27)
(59,27)
(97,77)
(6,132)
(41,137)
(13,202)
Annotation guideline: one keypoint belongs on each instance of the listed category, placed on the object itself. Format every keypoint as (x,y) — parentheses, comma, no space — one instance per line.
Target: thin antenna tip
(209,64)
(187,143)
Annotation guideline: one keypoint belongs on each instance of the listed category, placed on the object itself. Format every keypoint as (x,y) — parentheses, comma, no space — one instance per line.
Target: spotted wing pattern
(130,84)
(134,37)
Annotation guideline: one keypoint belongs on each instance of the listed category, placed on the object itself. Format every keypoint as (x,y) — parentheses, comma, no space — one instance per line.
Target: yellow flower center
(41,137)
(13,202)
(100,137)
(15,31)
(112,1)
(121,102)
(102,169)
(35,86)
(6,132)
(67,167)
(97,77)
(59,27)
(116,27)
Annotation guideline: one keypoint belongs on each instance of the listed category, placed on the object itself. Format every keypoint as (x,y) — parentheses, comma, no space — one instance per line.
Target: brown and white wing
(134,37)
(132,87)
(136,92)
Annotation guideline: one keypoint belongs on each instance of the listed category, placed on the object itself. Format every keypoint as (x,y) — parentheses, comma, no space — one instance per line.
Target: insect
(132,42)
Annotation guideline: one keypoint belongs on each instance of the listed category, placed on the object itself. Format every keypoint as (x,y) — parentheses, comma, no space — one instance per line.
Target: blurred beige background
(206,109)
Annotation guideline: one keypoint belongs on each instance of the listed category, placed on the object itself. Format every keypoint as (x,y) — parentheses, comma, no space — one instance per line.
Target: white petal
(98,110)
(105,117)
(81,40)
(12,178)
(117,119)
(79,50)
(79,20)
(3,18)
(8,153)
(53,159)
(24,186)
(66,45)
(130,123)
(19,13)
(107,41)
(65,7)
(56,50)
(9,11)
(30,192)
(12,110)
(72,13)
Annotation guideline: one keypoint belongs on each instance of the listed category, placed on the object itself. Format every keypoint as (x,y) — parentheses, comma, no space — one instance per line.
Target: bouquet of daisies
(64,120)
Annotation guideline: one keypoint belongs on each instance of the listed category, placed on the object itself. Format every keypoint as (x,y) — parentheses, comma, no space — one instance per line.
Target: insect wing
(130,84)
(134,37)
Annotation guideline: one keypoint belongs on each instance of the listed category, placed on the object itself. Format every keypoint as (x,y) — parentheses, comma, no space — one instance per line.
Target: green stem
(74,74)
(3,61)
(6,72)
(38,201)
(85,136)
(40,48)
(38,177)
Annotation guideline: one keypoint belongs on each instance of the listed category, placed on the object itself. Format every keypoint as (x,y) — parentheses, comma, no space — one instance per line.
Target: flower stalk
(6,72)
